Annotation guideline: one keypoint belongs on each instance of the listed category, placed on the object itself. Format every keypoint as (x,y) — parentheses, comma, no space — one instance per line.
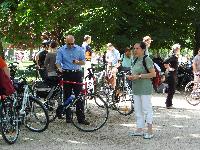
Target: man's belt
(67,70)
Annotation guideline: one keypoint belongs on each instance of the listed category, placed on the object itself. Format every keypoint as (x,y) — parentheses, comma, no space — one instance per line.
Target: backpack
(156,81)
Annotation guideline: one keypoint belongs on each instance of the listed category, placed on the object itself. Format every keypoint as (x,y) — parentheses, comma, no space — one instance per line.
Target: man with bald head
(69,59)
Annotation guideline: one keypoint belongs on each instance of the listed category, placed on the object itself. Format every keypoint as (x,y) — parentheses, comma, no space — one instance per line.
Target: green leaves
(120,22)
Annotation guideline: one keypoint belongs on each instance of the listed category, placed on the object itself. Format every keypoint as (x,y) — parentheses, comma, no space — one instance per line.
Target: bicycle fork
(24,101)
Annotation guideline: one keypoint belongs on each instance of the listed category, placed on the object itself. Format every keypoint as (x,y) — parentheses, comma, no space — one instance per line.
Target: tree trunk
(197,39)
(30,55)
(1,49)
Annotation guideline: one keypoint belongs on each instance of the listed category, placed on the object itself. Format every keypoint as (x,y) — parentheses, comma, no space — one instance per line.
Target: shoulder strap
(133,62)
(144,63)
(122,57)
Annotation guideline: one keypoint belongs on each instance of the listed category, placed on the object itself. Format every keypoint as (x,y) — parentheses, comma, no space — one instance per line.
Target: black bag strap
(135,60)
(143,62)
(122,57)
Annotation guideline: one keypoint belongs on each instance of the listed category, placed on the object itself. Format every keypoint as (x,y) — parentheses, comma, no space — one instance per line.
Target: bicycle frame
(25,100)
(84,91)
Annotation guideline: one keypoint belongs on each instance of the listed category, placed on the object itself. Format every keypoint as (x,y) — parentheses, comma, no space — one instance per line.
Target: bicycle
(122,97)
(9,120)
(32,113)
(192,92)
(103,87)
(51,94)
(96,114)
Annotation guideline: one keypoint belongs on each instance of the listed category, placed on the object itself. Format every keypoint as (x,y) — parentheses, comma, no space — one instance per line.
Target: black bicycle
(122,97)
(50,94)
(9,119)
(95,109)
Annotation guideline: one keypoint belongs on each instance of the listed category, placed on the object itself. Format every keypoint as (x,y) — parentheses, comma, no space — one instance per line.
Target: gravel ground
(174,129)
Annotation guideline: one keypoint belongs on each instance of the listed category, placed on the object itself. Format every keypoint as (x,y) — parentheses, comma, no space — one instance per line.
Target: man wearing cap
(147,40)
(69,59)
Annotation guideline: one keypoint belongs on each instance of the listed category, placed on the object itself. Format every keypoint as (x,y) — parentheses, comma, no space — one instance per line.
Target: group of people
(70,59)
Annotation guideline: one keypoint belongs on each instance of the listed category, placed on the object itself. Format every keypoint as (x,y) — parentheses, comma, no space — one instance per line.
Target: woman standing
(171,65)
(50,61)
(142,90)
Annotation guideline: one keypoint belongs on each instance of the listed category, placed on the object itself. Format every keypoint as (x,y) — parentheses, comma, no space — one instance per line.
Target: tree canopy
(119,22)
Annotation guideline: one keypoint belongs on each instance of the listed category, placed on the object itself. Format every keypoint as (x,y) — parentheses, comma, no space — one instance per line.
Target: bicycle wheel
(192,93)
(122,102)
(96,115)
(36,118)
(9,121)
(52,104)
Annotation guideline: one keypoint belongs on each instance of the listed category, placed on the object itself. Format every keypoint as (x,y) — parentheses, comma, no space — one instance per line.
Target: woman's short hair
(174,48)
(86,37)
(109,45)
(127,49)
(142,45)
(53,44)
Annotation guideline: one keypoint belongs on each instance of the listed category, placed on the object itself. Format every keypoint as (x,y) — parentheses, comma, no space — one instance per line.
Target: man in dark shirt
(40,58)
(171,65)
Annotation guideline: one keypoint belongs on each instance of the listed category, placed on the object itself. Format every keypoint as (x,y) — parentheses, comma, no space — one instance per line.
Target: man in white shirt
(196,67)
(147,40)
(88,53)
(112,58)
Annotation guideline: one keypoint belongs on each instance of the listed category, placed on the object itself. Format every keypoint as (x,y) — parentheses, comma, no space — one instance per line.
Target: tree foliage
(120,22)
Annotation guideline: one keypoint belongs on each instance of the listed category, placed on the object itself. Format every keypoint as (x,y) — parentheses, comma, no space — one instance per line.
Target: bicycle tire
(52,104)
(96,115)
(192,96)
(32,115)
(9,121)
(122,102)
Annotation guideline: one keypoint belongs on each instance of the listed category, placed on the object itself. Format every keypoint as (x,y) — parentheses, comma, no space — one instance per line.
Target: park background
(121,22)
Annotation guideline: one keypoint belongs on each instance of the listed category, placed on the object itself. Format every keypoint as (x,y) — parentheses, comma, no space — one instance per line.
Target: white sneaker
(136,133)
(148,135)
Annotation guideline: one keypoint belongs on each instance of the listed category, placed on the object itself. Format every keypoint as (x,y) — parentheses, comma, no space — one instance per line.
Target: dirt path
(174,129)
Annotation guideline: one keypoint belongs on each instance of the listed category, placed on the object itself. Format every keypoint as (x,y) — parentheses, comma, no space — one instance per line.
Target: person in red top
(4,66)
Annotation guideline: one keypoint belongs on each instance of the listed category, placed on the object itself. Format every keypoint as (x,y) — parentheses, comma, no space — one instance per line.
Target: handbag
(6,86)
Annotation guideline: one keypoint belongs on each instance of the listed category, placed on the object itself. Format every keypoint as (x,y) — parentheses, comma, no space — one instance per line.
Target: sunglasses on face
(70,44)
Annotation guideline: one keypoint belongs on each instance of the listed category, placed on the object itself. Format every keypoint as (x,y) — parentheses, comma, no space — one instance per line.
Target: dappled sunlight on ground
(174,129)
(76,142)
(128,125)
(195,135)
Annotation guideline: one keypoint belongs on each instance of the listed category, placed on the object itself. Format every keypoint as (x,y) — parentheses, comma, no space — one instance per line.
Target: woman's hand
(133,77)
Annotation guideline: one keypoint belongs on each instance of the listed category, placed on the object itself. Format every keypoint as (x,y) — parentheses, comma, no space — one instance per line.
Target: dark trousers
(171,81)
(75,77)
(43,73)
